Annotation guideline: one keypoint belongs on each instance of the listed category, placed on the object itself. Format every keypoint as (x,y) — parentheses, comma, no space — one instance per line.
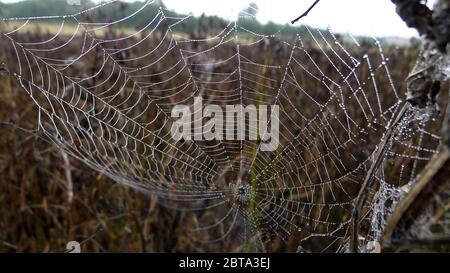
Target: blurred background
(40,210)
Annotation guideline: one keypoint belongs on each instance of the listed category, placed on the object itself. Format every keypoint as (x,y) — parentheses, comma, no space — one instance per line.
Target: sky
(360,17)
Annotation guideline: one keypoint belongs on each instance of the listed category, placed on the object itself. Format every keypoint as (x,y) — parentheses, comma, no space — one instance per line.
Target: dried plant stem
(68,173)
(431,169)
(438,214)
(140,232)
(362,196)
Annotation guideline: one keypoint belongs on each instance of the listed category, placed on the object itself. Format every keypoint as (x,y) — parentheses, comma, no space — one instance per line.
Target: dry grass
(37,215)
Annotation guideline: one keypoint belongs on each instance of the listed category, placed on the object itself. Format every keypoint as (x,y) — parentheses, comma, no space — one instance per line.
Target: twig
(14,247)
(140,232)
(99,229)
(15,126)
(68,173)
(430,170)
(378,159)
(437,215)
(306,12)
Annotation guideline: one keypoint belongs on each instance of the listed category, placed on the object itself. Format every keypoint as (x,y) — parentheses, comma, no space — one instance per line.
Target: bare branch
(306,12)
(429,172)
(68,173)
(362,196)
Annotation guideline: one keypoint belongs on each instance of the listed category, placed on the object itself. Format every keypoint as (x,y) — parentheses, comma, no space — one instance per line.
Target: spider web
(104,92)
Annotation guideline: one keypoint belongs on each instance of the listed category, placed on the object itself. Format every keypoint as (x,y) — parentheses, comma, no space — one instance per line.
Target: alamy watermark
(263,123)
(73,247)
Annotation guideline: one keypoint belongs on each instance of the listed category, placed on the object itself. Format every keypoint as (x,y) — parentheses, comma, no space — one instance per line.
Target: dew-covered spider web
(104,89)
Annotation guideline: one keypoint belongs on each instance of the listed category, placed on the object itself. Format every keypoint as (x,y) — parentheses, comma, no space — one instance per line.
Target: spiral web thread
(105,92)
